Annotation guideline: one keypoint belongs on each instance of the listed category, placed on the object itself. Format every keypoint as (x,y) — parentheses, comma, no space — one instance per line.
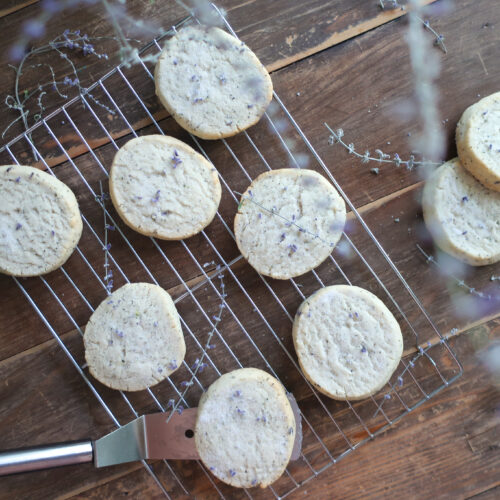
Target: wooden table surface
(344,62)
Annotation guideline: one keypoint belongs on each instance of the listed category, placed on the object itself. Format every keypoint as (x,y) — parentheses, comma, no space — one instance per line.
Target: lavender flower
(240,411)
(17,179)
(292,247)
(237,393)
(18,226)
(172,365)
(232,472)
(363,349)
(156,197)
(33,28)
(176,159)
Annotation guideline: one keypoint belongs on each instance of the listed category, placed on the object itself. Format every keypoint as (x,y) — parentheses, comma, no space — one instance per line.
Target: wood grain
(447,447)
(301,32)
(11,6)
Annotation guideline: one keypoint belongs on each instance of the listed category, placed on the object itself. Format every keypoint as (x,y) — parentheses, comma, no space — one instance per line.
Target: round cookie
(163,188)
(211,83)
(134,340)
(348,343)
(462,215)
(478,140)
(245,428)
(270,242)
(40,222)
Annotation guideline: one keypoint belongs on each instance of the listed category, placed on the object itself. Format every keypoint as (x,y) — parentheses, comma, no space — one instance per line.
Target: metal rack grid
(331,429)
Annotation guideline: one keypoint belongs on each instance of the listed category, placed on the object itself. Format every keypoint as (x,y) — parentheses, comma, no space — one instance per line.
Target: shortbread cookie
(40,223)
(245,428)
(211,83)
(134,340)
(288,222)
(163,188)
(462,215)
(348,343)
(478,140)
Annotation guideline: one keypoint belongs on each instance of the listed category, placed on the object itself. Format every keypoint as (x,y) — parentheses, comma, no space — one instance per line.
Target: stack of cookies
(461,199)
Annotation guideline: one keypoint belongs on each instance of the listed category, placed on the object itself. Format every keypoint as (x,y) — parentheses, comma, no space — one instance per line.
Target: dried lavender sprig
(199,364)
(108,273)
(460,282)
(336,137)
(69,39)
(422,351)
(289,222)
(438,38)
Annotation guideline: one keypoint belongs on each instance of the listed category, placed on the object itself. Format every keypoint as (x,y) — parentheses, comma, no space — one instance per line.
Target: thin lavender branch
(460,283)
(421,351)
(336,137)
(289,222)
(108,274)
(199,364)
(69,40)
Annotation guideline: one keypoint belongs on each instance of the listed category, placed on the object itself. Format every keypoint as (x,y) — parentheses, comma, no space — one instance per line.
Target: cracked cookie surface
(288,222)
(347,341)
(134,339)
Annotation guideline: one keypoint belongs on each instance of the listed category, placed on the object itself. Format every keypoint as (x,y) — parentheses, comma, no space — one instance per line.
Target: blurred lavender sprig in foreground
(425,66)
(438,38)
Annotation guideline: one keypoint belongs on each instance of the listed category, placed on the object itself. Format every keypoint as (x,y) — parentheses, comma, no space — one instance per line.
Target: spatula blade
(158,436)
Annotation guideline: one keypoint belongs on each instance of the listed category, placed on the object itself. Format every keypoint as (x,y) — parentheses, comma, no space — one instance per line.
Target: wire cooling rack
(258,312)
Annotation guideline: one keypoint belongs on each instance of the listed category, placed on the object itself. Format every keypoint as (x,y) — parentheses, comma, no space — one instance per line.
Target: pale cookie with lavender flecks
(462,215)
(211,83)
(288,222)
(134,339)
(40,222)
(161,187)
(478,140)
(348,343)
(245,428)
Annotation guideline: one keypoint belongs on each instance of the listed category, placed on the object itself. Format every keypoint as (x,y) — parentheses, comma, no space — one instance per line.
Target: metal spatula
(146,437)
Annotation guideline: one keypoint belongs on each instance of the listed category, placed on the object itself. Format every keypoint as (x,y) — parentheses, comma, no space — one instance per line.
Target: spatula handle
(45,457)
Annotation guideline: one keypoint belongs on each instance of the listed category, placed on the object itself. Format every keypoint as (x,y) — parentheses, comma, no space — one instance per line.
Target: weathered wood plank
(303,31)
(39,409)
(435,439)
(11,6)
